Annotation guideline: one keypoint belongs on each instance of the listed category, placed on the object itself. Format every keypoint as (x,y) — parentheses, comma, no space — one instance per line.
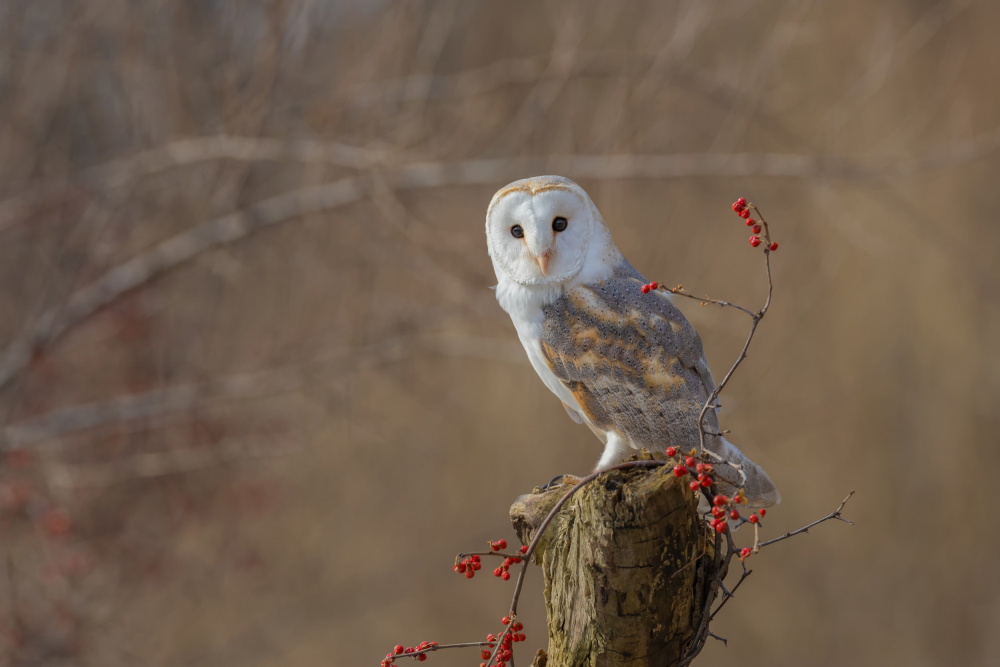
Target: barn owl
(627,364)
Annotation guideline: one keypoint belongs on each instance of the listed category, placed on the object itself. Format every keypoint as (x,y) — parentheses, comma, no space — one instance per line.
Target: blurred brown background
(256,392)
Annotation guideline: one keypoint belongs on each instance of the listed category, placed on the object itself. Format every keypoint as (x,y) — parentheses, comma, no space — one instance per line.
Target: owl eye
(559,224)
(517,231)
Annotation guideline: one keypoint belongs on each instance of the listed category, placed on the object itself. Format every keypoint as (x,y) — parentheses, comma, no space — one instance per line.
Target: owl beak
(543,261)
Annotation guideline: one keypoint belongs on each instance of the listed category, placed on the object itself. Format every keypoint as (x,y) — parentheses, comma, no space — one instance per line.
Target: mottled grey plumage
(632,360)
(636,367)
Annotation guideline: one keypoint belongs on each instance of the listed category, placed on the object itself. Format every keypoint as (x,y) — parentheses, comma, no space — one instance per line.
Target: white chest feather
(524,304)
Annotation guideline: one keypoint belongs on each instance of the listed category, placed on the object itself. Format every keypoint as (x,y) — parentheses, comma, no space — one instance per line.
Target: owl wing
(632,361)
(636,366)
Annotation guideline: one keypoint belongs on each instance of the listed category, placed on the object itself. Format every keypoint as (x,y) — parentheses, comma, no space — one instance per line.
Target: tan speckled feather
(636,367)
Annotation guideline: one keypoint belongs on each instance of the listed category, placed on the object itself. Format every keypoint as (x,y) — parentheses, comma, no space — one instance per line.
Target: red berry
(485,655)
(653,285)
(756,229)
(645,289)
(720,500)
(754,518)
(476,566)
(694,485)
(497,572)
(475,558)
(736,206)
(680,471)
(422,657)
(408,649)
(774,246)
(505,620)
(741,201)
(755,241)
(398,649)
(524,549)
(720,527)
(505,575)
(470,573)
(490,637)
(460,568)
(718,512)
(734,515)
(689,461)
(56,521)
(745,551)
(745,213)
(503,543)
(671,451)
(763,511)
(750,222)
(706,481)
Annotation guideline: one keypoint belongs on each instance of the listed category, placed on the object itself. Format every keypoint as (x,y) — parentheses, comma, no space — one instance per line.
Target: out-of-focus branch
(168,255)
(160,464)
(269,382)
(236,226)
(254,149)
(189,151)
(145,404)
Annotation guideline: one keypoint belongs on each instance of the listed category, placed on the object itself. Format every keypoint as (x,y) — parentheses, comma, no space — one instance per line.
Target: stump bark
(627,566)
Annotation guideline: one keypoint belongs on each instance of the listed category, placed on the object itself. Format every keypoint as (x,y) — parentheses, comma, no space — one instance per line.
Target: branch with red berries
(717,545)
(742,208)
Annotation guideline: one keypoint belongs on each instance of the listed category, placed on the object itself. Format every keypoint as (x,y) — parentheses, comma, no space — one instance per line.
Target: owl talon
(564,480)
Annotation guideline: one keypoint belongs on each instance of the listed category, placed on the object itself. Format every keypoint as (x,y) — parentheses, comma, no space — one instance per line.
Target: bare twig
(805,529)
(755,317)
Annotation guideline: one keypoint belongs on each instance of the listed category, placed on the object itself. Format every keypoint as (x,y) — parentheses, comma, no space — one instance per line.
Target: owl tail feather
(760,490)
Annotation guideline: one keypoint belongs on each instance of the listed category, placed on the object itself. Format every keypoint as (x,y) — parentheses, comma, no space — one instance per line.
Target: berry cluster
(468,566)
(651,286)
(742,209)
(507,637)
(692,467)
(723,507)
(399,652)
(504,570)
(473,562)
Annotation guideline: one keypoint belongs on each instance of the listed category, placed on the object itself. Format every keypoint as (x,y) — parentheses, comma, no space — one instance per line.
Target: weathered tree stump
(627,565)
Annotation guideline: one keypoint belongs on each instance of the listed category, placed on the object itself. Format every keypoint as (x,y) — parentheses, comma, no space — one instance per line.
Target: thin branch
(724,641)
(679,291)
(805,529)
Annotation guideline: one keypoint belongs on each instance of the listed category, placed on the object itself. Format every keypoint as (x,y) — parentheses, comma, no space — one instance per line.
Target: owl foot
(564,480)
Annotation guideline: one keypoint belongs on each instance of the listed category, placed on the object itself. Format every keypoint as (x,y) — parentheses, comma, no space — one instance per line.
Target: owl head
(545,230)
